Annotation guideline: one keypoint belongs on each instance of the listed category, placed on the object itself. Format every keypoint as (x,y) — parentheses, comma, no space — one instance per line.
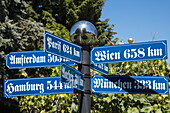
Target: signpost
(35,86)
(72,77)
(130,84)
(84,33)
(32,59)
(63,48)
(130,52)
(102,68)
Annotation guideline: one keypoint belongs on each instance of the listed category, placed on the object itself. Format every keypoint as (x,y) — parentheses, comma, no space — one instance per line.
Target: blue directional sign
(35,86)
(129,52)
(101,68)
(63,48)
(33,59)
(72,77)
(130,84)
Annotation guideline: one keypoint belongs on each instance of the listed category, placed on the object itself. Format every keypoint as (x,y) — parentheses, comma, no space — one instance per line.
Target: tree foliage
(22,23)
(68,12)
(17,33)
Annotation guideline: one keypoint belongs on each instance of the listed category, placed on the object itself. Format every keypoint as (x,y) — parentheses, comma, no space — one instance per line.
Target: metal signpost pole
(84,34)
(84,67)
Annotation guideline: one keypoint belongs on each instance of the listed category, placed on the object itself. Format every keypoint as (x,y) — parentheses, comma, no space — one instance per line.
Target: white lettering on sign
(70,50)
(102,66)
(147,84)
(11,88)
(143,84)
(106,55)
(105,83)
(76,53)
(55,85)
(67,49)
(26,60)
(158,86)
(106,68)
(134,53)
(78,80)
(67,75)
(53,58)
(52,44)
(99,66)
(154,52)
(72,79)
(137,84)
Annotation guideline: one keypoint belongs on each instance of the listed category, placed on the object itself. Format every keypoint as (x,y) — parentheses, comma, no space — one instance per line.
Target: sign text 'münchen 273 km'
(130,52)
(58,46)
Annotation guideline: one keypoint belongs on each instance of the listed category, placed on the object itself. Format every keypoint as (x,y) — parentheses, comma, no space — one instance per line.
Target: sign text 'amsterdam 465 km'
(58,46)
(130,84)
(129,52)
(35,86)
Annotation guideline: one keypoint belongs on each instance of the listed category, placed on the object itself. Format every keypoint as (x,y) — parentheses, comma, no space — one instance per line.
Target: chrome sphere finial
(83,33)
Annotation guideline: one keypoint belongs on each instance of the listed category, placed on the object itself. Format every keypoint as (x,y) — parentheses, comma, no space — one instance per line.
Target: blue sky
(142,20)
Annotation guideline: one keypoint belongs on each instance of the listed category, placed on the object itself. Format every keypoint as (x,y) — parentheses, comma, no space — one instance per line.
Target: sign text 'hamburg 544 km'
(130,52)
(35,86)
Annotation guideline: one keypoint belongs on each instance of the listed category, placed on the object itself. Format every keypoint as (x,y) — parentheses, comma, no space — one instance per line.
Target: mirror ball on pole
(83,33)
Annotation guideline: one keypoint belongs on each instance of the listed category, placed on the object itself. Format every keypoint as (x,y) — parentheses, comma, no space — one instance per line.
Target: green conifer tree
(68,12)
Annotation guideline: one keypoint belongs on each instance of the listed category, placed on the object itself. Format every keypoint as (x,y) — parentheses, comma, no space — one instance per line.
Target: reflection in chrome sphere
(83,33)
